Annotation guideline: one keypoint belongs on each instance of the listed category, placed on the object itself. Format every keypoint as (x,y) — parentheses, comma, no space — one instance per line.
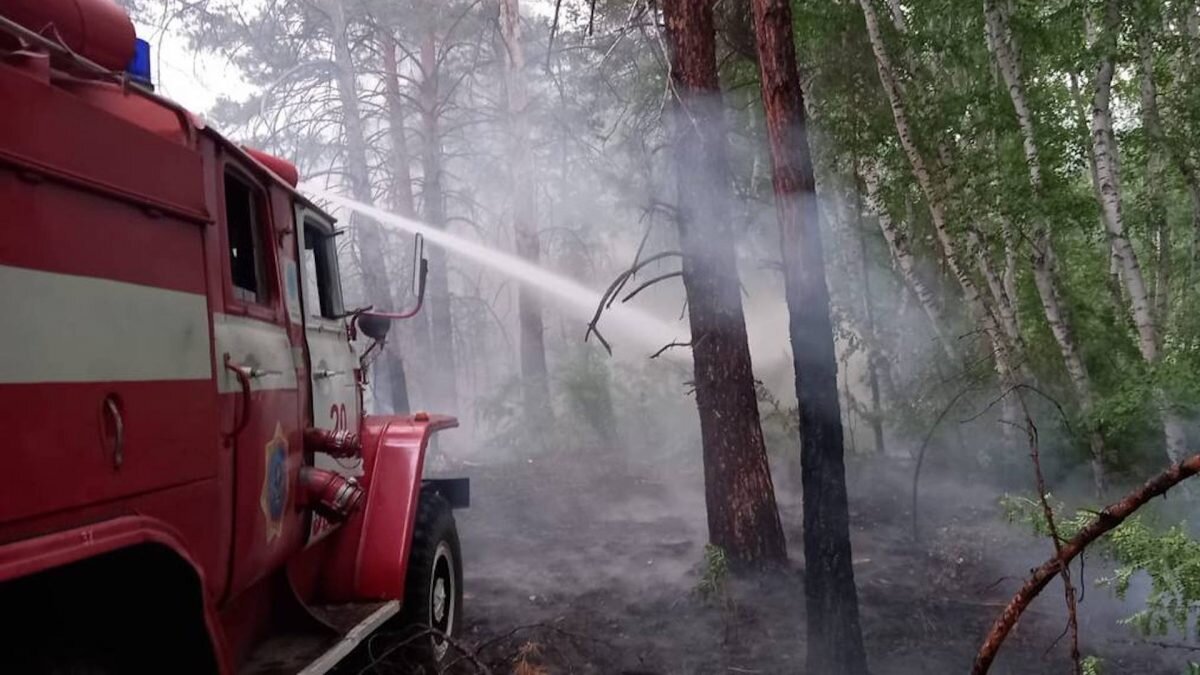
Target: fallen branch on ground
(1109,518)
(480,666)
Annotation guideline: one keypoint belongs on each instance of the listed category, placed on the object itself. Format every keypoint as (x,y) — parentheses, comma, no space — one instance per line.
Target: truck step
(318,653)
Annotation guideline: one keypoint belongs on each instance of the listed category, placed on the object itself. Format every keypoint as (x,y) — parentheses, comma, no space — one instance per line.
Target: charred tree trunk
(835,643)
(368,235)
(742,515)
(525,231)
(444,379)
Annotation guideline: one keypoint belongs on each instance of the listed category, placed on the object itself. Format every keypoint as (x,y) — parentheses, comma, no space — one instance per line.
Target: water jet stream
(650,332)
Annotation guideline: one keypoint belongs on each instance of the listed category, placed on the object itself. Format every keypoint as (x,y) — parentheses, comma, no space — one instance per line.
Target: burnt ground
(574,569)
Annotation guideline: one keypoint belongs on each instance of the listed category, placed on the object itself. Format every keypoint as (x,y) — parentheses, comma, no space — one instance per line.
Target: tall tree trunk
(1160,148)
(444,380)
(368,236)
(1011,245)
(897,14)
(835,643)
(897,240)
(935,200)
(1108,182)
(521,171)
(401,188)
(1112,280)
(742,515)
(1005,311)
(875,361)
(1157,145)
(1007,54)
(416,329)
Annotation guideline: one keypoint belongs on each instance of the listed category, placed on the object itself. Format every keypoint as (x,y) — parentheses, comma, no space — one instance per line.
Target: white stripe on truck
(66,328)
(255,345)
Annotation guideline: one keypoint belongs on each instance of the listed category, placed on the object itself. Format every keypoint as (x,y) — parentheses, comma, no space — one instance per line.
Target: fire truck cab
(190,481)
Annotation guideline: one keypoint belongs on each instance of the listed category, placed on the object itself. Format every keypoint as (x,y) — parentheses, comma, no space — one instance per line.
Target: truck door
(256,367)
(332,361)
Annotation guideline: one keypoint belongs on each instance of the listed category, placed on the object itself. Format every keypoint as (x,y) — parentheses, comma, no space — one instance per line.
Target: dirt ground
(573,569)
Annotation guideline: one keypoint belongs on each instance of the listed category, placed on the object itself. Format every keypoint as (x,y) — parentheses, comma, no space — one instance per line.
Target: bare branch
(1108,519)
(655,280)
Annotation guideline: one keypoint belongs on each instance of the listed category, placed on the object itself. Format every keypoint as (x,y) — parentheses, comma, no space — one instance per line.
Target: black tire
(433,592)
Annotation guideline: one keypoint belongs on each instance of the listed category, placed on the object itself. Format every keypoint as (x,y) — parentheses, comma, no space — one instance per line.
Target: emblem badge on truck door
(275,483)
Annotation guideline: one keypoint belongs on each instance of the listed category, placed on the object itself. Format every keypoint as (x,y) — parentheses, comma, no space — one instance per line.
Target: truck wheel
(433,590)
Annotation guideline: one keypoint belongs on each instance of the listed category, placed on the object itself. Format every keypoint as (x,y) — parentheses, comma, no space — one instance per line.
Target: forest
(821,336)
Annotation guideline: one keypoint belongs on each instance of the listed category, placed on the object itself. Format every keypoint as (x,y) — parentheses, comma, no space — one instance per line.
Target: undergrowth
(715,573)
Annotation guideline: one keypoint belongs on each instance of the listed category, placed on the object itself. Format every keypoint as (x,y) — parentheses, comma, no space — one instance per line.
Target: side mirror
(375,324)
(420,267)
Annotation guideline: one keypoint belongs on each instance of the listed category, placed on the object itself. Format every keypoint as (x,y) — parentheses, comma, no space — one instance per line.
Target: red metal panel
(47,129)
(56,228)
(56,447)
(277,165)
(371,551)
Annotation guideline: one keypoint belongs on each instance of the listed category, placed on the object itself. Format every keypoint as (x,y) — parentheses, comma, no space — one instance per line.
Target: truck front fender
(370,552)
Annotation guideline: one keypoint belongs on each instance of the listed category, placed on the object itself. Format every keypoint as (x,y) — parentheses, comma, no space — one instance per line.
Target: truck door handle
(258,373)
(325,374)
(243,376)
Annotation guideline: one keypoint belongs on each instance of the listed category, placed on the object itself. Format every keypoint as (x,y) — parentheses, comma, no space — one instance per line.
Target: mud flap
(457,491)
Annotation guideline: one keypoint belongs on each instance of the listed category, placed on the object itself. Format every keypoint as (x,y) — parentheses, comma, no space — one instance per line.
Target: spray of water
(648,331)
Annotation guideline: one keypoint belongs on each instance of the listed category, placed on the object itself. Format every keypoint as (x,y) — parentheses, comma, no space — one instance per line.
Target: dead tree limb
(921,458)
(1031,432)
(553,32)
(458,647)
(1110,517)
(648,284)
(673,345)
(610,294)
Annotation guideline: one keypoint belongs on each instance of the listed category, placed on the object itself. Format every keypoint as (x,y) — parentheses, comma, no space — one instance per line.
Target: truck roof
(65,65)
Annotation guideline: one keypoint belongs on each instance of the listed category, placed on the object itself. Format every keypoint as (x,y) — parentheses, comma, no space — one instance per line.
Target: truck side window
(245,249)
(320,273)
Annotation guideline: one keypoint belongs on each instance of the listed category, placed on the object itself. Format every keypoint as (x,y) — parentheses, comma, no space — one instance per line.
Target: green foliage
(780,423)
(715,574)
(1092,665)
(586,390)
(1169,558)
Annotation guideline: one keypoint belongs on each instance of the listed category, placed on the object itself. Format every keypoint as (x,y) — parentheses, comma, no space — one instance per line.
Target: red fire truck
(189,481)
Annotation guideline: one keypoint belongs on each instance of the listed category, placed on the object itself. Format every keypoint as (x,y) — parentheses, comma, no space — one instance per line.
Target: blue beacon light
(139,66)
